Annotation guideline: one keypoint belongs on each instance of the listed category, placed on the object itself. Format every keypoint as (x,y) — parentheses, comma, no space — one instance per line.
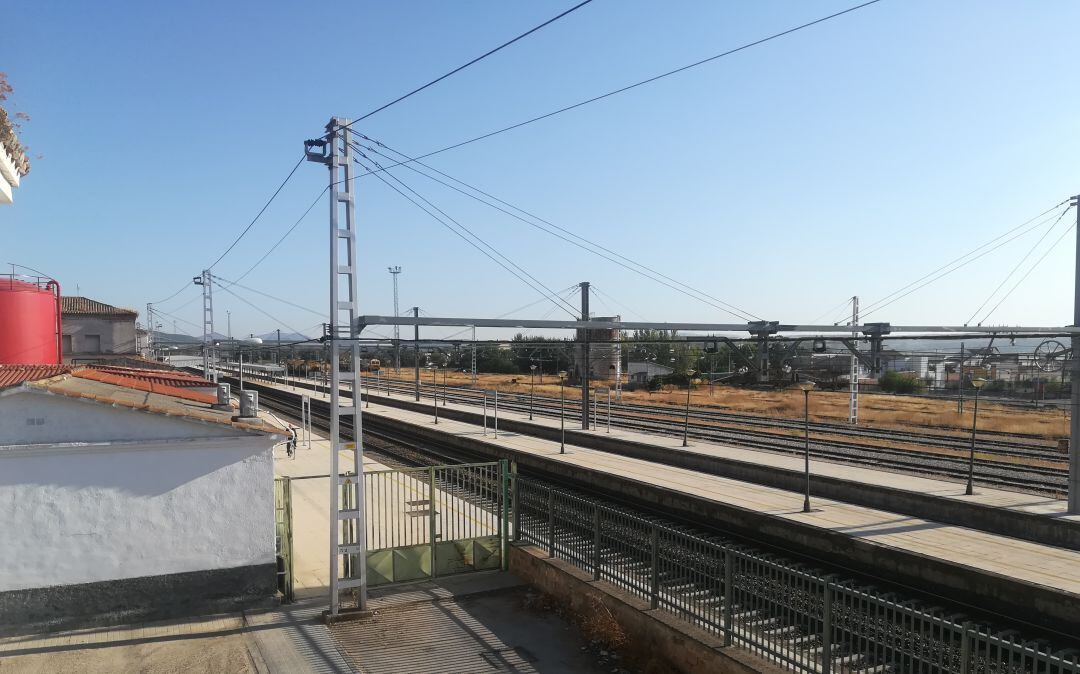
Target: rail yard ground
(880,410)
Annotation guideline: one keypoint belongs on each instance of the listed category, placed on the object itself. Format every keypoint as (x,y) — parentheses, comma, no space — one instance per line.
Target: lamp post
(532,389)
(806,387)
(445,388)
(977,383)
(686,418)
(434,392)
(562,415)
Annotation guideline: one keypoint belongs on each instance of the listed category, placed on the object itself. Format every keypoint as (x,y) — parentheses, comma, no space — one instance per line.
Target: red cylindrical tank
(29,322)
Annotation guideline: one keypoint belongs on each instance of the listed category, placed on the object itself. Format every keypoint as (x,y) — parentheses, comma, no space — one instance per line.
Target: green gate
(283,536)
(427,522)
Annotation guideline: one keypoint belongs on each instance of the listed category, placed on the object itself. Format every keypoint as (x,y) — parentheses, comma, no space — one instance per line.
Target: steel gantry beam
(751,328)
(348,537)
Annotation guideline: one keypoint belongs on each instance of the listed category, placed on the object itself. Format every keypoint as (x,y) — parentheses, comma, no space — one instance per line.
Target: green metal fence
(283,536)
(426,522)
(799,619)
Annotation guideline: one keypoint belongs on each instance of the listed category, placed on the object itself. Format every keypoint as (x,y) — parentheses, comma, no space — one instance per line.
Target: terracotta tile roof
(140,384)
(88,307)
(159,402)
(173,378)
(13,375)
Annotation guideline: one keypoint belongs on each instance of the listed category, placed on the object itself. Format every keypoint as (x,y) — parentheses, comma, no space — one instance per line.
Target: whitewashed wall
(90,492)
(92,514)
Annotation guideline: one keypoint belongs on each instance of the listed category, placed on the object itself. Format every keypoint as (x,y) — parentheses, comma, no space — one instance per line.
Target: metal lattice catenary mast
(348,538)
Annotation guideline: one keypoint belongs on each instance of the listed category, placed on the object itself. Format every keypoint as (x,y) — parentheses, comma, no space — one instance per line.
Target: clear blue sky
(850,158)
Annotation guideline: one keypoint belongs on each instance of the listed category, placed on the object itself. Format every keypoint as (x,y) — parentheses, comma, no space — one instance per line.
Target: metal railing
(797,618)
(283,537)
(426,522)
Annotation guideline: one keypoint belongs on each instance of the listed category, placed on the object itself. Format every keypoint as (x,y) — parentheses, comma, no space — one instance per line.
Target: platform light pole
(686,417)
(806,387)
(977,383)
(562,412)
(434,391)
(532,389)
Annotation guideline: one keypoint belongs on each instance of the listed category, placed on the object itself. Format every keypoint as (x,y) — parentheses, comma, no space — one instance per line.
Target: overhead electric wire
(466,65)
(964,260)
(262,311)
(600,292)
(607,253)
(1028,272)
(649,80)
(463,237)
(260,213)
(514,311)
(267,295)
(825,313)
(1015,268)
(284,236)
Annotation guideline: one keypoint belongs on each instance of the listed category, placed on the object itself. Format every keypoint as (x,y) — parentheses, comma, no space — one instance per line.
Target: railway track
(1028,478)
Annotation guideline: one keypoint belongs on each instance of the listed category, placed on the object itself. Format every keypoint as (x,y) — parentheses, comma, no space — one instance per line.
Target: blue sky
(849,158)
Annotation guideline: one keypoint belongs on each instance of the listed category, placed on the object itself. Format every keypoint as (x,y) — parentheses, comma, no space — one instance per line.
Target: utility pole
(585,358)
(394,271)
(348,535)
(277,351)
(1074,424)
(228,319)
(853,404)
(209,361)
(960,384)
(150,329)
(416,359)
(474,356)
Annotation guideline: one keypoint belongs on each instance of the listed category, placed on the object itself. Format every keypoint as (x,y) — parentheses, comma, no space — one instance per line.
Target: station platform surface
(1036,563)
(988,496)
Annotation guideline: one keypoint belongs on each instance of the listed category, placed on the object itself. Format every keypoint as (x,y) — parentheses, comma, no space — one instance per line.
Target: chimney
(223,398)
(249,404)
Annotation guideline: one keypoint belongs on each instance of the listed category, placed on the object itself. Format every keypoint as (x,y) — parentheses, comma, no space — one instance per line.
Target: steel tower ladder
(348,536)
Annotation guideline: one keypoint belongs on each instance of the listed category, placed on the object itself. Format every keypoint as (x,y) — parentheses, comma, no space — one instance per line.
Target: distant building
(603,351)
(125,497)
(96,332)
(641,372)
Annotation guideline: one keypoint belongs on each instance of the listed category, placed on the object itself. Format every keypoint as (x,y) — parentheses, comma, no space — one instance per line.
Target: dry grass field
(875,409)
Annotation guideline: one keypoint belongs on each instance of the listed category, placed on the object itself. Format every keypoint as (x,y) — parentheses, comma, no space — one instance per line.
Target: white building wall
(30,417)
(85,514)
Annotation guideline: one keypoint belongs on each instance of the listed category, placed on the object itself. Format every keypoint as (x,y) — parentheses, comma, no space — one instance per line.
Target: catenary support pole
(394,271)
(960,384)
(416,352)
(1074,425)
(585,358)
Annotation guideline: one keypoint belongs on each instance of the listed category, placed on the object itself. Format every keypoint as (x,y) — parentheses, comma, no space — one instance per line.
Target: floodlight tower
(394,271)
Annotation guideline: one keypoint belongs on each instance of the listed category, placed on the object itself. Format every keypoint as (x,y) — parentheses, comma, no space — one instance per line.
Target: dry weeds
(875,409)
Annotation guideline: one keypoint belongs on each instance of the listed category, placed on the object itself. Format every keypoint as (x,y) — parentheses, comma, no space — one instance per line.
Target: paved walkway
(476,622)
(287,640)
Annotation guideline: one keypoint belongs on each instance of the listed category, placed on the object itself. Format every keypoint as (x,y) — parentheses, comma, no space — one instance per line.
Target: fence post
(504,530)
(496,413)
(517,502)
(965,648)
(596,542)
(826,626)
(729,596)
(431,520)
(654,586)
(551,522)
